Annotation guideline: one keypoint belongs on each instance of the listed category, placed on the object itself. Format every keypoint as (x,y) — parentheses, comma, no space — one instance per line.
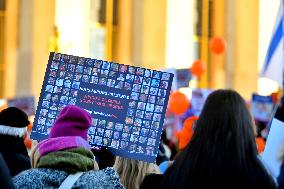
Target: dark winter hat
(72,121)
(14,117)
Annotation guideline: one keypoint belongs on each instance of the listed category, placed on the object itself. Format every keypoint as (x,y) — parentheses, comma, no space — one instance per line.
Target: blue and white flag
(274,60)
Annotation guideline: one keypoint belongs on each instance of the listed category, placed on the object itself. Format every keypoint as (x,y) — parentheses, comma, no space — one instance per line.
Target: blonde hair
(132,172)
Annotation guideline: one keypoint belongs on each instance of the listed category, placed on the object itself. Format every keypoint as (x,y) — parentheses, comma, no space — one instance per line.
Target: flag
(274,60)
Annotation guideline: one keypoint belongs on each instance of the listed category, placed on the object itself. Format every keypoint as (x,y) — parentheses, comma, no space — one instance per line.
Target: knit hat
(184,136)
(13,121)
(72,121)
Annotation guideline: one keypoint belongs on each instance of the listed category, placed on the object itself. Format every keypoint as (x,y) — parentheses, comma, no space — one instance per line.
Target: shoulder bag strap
(70,180)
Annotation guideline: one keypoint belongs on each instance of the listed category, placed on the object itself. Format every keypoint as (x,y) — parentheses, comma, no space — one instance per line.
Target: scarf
(54,145)
(61,143)
(70,160)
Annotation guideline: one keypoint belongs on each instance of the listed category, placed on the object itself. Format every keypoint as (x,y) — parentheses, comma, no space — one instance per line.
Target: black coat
(280,178)
(5,177)
(15,154)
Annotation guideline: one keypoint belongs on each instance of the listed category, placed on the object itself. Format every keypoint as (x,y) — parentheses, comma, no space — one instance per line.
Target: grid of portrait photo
(135,136)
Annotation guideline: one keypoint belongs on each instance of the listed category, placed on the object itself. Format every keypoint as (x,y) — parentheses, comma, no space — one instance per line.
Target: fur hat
(13,121)
(72,121)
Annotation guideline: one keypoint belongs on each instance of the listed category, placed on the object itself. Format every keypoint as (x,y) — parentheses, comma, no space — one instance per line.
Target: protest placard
(273,146)
(262,107)
(127,103)
(198,99)
(183,77)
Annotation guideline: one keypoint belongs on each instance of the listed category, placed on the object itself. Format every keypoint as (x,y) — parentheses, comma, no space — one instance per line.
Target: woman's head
(222,147)
(13,122)
(69,132)
(225,123)
(132,172)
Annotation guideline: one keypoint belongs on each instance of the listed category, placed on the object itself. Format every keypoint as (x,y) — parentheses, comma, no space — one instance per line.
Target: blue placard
(183,77)
(262,107)
(198,99)
(127,103)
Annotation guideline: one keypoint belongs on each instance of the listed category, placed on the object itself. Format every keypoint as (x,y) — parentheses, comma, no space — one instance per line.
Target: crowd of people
(221,152)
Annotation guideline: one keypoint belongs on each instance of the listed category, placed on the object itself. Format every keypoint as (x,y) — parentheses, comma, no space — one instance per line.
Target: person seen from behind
(132,172)
(65,159)
(13,128)
(222,152)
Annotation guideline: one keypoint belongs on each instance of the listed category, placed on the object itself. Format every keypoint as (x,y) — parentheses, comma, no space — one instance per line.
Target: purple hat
(72,121)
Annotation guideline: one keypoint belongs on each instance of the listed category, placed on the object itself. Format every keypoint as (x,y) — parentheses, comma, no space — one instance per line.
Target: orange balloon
(178,103)
(197,68)
(217,45)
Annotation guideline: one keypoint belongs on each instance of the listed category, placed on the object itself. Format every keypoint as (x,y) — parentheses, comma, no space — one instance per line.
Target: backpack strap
(70,180)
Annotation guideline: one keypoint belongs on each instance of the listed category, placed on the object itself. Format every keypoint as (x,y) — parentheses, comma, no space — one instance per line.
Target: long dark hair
(222,149)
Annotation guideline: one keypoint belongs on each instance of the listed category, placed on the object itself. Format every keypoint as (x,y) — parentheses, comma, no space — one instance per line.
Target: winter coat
(15,154)
(52,178)
(5,177)
(280,178)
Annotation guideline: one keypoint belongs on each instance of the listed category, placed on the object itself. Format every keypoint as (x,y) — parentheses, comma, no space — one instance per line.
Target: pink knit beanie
(72,121)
